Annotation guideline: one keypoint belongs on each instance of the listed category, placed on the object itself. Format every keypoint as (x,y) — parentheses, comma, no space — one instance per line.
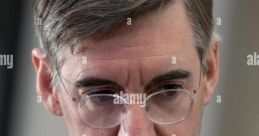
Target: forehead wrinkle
(135,76)
(132,51)
(127,78)
(141,76)
(133,41)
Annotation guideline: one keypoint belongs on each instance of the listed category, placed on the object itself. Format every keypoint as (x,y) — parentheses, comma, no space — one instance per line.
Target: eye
(177,86)
(171,86)
(101,96)
(101,99)
(169,92)
(101,90)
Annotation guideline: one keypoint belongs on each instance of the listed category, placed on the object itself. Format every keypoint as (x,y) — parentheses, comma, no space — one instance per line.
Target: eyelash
(167,85)
(100,90)
(112,90)
(171,86)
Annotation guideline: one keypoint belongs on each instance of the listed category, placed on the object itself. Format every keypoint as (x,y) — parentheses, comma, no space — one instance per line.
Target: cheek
(185,128)
(195,118)
(189,127)
(69,108)
(73,122)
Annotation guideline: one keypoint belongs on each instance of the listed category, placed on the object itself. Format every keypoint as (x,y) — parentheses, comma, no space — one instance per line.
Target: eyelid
(174,82)
(91,89)
(167,82)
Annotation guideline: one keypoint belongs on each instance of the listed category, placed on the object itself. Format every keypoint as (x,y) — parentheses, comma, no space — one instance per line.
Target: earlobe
(53,106)
(212,74)
(44,83)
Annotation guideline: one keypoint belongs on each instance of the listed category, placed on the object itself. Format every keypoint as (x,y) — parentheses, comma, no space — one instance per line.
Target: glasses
(168,104)
(163,107)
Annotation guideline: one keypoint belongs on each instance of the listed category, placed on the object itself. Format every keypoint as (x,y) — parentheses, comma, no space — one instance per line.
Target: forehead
(149,43)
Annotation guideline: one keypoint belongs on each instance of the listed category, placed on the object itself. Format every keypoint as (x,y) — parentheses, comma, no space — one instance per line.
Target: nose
(136,123)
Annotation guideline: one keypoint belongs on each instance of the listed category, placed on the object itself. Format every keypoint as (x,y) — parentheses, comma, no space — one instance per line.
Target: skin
(157,33)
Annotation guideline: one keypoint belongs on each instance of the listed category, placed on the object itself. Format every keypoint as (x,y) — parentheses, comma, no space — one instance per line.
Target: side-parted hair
(61,23)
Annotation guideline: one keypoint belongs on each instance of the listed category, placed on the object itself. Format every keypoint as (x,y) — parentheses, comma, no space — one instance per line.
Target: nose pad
(136,123)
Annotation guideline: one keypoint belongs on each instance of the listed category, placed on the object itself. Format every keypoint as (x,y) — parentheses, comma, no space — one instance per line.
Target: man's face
(154,47)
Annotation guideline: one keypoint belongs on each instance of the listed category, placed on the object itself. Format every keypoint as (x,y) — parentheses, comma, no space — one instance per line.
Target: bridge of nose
(136,123)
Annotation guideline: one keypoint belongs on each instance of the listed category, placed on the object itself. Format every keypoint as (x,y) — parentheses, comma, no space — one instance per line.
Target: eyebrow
(172,75)
(93,81)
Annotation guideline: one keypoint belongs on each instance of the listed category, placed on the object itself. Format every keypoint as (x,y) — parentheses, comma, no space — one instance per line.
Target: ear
(44,86)
(212,74)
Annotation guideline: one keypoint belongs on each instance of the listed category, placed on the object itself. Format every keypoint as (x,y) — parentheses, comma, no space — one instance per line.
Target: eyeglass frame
(190,93)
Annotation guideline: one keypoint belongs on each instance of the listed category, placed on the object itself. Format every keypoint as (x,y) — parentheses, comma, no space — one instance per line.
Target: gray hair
(62,23)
